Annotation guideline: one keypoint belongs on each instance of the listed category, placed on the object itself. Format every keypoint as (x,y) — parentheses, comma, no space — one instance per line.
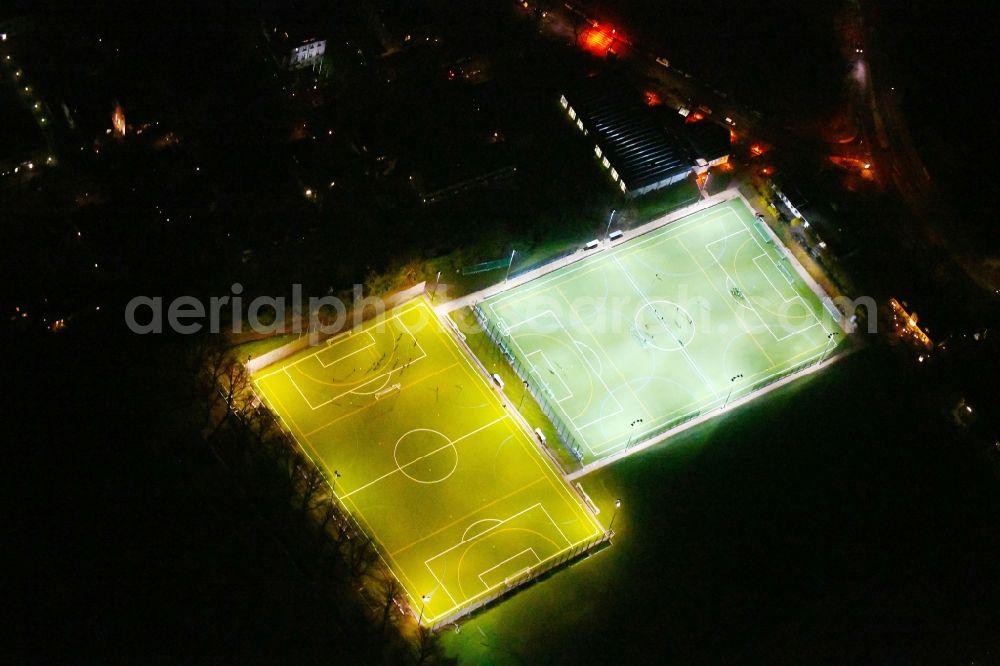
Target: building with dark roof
(639,155)
(709,143)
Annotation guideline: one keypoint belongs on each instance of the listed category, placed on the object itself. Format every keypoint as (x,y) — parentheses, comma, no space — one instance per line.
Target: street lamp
(829,342)
(631,432)
(610,217)
(732,385)
(522,395)
(436,283)
(425,599)
(511,263)
(618,505)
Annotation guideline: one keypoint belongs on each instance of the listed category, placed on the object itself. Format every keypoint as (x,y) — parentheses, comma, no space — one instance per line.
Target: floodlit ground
(424,454)
(661,329)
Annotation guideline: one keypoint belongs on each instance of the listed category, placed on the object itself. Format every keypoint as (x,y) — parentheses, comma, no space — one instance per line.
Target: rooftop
(635,144)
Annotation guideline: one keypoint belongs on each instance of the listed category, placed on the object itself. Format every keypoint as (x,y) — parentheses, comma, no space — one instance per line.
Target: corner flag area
(640,338)
(419,447)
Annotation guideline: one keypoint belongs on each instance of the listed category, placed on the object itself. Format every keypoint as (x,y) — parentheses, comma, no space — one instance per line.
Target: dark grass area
(129,541)
(494,361)
(820,524)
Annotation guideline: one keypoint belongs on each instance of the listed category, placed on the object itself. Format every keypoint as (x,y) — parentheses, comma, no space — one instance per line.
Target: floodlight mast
(423,605)
(509,264)
(732,385)
(829,342)
(618,505)
(631,433)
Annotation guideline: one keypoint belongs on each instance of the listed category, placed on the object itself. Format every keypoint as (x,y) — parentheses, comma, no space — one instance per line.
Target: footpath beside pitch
(581,254)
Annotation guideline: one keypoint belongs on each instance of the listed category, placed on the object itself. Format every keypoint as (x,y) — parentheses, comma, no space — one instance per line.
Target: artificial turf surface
(426,456)
(645,335)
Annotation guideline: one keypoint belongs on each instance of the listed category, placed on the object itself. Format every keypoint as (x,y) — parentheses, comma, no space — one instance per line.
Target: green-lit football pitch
(658,330)
(422,451)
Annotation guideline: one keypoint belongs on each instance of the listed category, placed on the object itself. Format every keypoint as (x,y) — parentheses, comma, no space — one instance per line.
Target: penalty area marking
(594,371)
(517,573)
(493,528)
(357,390)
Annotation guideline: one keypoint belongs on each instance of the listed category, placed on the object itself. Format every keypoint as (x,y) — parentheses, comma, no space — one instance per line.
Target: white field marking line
(607,389)
(679,344)
(764,251)
(716,200)
(701,405)
(445,588)
(502,327)
(593,370)
(677,310)
(500,522)
(358,409)
(476,522)
(738,232)
(470,514)
(534,371)
(730,284)
(816,321)
(529,549)
(713,283)
(497,526)
(546,467)
(555,524)
(386,376)
(612,443)
(749,304)
(736,403)
(749,232)
(705,409)
(797,267)
(511,327)
(356,514)
(600,367)
(472,598)
(339,339)
(796,295)
(564,414)
(400,468)
(348,355)
(552,370)
(661,234)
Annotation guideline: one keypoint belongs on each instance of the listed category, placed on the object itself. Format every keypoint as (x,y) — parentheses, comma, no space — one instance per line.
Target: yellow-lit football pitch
(420,448)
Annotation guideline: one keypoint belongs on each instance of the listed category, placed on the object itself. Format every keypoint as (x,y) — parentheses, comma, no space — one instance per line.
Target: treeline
(293,497)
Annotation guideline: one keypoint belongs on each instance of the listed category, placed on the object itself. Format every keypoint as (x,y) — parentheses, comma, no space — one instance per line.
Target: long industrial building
(638,153)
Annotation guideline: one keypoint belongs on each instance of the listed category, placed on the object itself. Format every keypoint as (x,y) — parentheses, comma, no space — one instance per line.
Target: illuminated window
(564,101)
(614,173)
(579,123)
(572,113)
(605,163)
(597,151)
(622,184)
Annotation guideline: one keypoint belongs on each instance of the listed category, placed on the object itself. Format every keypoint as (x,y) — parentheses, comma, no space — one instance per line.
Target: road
(892,150)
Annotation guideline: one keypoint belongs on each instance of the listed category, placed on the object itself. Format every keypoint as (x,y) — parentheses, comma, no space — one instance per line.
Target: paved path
(493,290)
